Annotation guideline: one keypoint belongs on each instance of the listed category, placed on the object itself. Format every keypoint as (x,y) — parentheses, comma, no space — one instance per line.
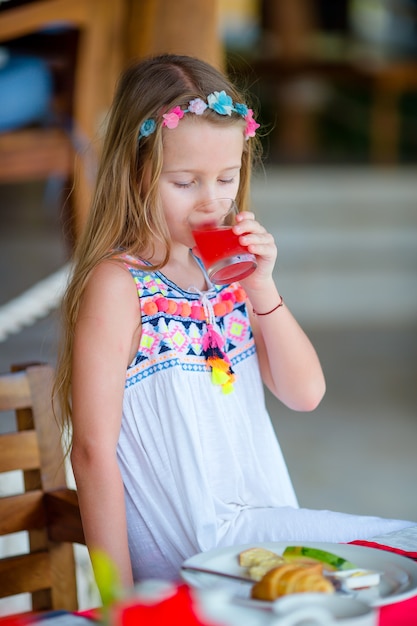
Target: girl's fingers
(249,226)
(257,238)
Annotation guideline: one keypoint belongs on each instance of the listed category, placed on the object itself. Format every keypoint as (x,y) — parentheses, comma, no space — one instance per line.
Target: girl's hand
(260,243)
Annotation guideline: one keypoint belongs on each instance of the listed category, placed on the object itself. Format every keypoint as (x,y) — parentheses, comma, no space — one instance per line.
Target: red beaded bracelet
(281,303)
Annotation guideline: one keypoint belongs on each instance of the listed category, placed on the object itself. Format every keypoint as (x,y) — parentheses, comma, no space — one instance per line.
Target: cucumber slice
(330,560)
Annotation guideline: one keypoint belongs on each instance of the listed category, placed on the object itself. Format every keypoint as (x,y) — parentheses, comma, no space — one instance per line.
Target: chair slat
(22,512)
(24,573)
(36,152)
(19,451)
(14,392)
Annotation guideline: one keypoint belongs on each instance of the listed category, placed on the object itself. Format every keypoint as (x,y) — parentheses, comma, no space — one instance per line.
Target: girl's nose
(207,193)
(208,203)
(215,207)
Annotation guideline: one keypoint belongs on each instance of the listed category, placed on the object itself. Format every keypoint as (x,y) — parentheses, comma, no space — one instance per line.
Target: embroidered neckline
(202,310)
(217,360)
(196,310)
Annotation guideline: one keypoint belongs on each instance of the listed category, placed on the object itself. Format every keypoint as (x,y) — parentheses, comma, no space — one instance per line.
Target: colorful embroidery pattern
(176,332)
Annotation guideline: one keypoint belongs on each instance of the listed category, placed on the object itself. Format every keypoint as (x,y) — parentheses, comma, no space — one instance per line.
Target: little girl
(173,451)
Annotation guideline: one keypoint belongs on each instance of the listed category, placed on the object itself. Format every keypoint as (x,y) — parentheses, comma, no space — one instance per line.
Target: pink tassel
(212,339)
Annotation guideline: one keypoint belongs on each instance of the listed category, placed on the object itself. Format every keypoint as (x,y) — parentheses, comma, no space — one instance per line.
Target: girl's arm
(106,329)
(289,364)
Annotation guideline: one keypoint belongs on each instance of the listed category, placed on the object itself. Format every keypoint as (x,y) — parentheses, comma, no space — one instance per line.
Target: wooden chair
(37,153)
(46,508)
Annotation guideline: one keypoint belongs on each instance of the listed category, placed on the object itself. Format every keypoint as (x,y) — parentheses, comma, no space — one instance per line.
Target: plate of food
(261,573)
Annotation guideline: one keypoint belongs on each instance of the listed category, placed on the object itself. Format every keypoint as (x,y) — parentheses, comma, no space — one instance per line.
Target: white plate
(398,579)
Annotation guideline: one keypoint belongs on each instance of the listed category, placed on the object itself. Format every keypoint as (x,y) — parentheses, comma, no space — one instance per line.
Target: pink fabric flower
(197,106)
(251,125)
(172,118)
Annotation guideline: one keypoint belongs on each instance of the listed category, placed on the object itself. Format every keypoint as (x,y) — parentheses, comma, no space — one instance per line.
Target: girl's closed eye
(184,185)
(222,181)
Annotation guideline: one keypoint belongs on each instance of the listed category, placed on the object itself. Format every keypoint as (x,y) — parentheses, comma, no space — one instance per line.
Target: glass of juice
(218,247)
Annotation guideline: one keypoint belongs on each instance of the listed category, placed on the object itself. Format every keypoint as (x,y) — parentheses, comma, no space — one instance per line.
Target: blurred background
(335,86)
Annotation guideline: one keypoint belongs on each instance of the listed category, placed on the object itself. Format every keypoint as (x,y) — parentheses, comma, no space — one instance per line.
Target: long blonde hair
(122,214)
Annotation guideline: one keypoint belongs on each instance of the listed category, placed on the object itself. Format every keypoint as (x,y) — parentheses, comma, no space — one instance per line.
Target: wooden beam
(181,27)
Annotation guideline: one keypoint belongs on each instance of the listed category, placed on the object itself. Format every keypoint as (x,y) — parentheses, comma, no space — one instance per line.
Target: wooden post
(290,27)
(100,60)
(180,27)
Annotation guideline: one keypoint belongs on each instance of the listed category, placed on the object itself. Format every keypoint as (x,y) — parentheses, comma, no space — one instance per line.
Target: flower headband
(217,101)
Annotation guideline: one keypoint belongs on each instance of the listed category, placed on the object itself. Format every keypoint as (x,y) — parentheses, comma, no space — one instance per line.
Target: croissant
(258,571)
(291,578)
(255,556)
(259,561)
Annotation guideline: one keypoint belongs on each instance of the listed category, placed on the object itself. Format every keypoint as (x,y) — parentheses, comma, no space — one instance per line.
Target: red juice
(224,258)
(215,244)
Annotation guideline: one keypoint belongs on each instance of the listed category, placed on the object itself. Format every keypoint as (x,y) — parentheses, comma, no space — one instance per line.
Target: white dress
(203,468)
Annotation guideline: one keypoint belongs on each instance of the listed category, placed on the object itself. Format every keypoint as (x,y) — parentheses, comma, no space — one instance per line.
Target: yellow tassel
(218,377)
(221,374)
(228,387)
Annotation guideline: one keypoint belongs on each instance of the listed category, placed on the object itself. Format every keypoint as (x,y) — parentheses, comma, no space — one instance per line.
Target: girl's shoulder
(109,302)
(109,276)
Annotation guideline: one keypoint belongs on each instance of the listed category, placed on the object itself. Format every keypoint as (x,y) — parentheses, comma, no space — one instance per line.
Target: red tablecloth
(373,544)
(401,613)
